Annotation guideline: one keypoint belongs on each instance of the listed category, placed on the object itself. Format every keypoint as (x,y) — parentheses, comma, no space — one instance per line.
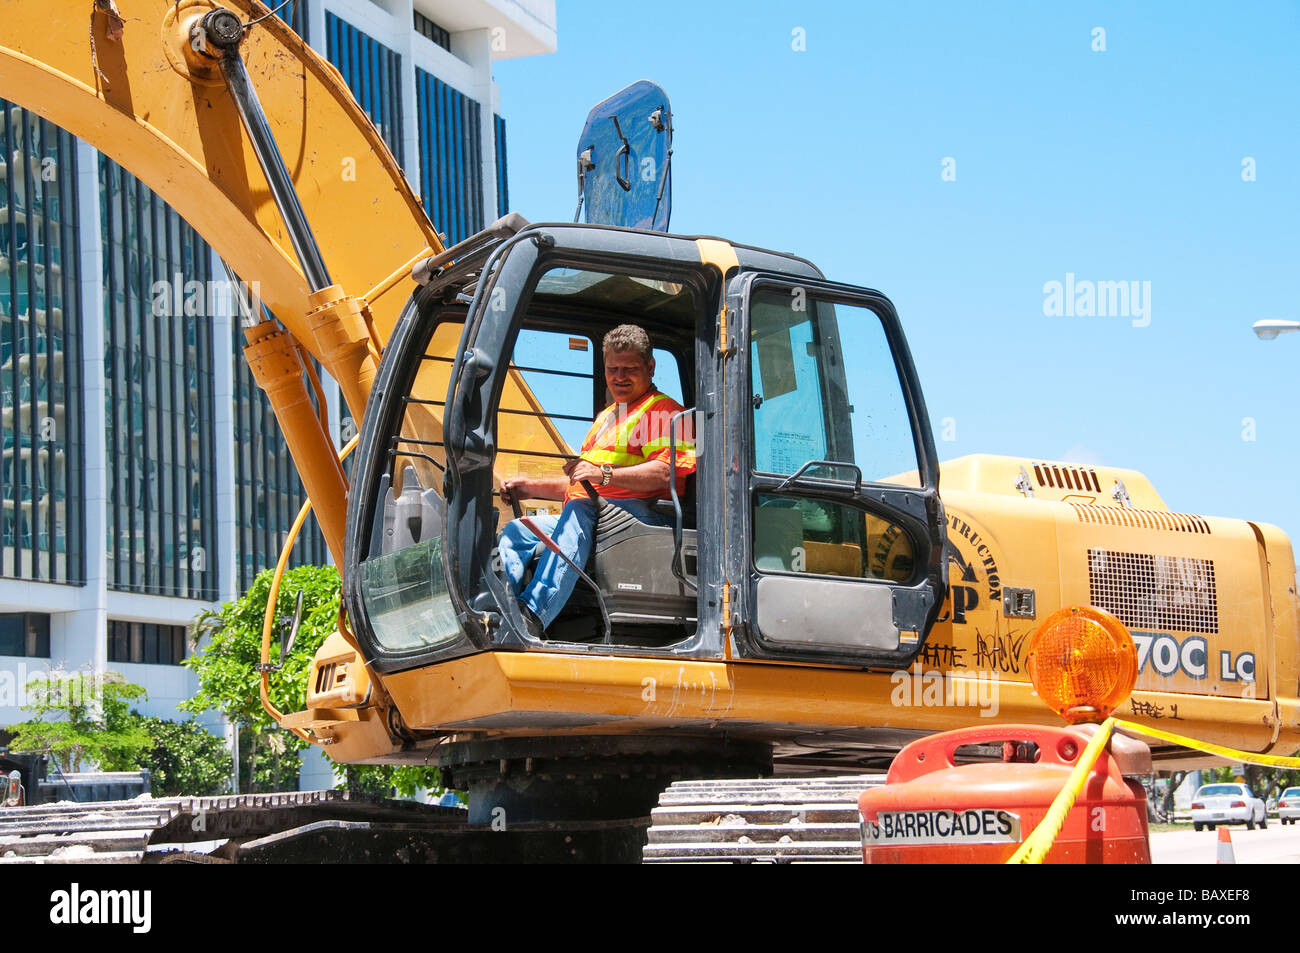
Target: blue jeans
(574,532)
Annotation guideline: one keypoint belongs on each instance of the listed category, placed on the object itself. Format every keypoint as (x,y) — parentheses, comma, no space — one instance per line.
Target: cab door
(834,528)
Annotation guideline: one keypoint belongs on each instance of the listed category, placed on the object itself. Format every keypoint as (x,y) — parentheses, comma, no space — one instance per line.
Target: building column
(403,43)
(80,637)
(475,48)
(223,424)
(316,27)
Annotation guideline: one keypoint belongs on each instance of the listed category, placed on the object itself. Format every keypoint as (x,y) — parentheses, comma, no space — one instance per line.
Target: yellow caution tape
(1232,754)
(1037,844)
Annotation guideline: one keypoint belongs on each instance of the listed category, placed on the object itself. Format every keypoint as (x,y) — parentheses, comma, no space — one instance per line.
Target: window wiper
(793,478)
(621,160)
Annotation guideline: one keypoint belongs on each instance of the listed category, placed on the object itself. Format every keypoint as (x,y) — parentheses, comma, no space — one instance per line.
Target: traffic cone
(1225,847)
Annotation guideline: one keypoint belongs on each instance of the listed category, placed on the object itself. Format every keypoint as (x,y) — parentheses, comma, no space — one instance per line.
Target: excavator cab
(811,531)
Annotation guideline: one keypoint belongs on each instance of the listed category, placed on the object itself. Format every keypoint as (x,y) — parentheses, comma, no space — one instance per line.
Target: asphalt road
(1277,845)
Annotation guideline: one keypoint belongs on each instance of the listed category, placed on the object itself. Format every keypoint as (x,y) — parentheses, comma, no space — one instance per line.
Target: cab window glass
(805,535)
(825,387)
(668,378)
(556,372)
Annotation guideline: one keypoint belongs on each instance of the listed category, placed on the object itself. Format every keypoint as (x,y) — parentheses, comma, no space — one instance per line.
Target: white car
(1216,804)
(1288,806)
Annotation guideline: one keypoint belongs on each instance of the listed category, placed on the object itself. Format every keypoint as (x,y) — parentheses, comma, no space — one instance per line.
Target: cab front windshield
(551,395)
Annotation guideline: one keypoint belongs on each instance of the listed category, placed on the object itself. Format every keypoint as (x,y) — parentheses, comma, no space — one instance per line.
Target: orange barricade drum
(933,811)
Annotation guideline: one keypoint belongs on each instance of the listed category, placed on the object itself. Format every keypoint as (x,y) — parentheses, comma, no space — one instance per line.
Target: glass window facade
(145,642)
(427,28)
(25,634)
(295,13)
(374,74)
(41,494)
(268,491)
(159,350)
(451,157)
(159,299)
(503,187)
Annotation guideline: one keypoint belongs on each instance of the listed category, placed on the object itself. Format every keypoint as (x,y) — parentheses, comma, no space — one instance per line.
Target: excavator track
(141,830)
(769,820)
(765,820)
(299,827)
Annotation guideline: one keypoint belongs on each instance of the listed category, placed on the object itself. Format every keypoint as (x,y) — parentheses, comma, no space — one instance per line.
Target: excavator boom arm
(320,237)
(135,87)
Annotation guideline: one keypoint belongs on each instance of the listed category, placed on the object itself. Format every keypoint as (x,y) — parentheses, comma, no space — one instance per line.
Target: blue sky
(1117,165)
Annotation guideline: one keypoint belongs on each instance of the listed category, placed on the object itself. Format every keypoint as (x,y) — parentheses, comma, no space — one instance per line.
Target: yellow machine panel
(1203,597)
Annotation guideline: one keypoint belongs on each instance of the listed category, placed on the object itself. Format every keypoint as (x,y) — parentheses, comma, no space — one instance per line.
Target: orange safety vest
(638,437)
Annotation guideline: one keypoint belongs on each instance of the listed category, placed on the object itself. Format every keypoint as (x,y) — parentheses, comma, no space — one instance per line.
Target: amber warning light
(1083,663)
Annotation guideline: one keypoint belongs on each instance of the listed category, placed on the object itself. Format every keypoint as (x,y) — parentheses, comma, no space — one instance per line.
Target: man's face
(627,375)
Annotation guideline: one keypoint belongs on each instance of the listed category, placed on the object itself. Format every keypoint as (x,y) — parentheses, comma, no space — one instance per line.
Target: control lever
(554,547)
(515,505)
(550,544)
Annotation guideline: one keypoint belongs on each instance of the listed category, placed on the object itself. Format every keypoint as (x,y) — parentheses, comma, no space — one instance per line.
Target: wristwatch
(608,471)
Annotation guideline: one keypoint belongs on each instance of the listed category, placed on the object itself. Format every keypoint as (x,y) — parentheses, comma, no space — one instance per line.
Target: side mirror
(287,638)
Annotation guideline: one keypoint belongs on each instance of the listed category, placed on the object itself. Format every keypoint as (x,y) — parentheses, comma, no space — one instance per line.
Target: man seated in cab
(626,459)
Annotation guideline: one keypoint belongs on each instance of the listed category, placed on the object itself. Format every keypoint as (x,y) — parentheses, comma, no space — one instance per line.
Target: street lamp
(1267,330)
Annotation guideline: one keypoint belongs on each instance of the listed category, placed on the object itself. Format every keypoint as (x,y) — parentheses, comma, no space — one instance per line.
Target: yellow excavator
(825,591)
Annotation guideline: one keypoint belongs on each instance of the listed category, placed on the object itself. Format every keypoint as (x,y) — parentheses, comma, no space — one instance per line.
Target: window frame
(916,509)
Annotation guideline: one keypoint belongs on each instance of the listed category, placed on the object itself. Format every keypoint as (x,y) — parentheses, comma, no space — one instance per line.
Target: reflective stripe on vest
(614,441)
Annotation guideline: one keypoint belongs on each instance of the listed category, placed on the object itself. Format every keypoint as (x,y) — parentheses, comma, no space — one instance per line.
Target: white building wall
(480,32)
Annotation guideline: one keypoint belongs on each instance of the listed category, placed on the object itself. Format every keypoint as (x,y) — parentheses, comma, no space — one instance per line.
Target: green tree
(270,759)
(385,780)
(185,759)
(1265,782)
(83,717)
(228,681)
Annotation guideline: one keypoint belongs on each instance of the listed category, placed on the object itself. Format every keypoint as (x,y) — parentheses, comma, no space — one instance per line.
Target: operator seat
(632,563)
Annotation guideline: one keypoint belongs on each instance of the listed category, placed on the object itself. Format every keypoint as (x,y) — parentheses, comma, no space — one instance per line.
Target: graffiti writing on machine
(1166,655)
(1146,709)
(998,651)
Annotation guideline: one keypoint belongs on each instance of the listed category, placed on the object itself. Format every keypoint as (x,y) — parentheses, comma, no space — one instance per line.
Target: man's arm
(535,488)
(649,477)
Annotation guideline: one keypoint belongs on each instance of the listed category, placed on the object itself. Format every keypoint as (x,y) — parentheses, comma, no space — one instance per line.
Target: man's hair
(629,337)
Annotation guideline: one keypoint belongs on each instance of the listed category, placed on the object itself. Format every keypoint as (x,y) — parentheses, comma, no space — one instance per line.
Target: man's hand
(518,487)
(581,470)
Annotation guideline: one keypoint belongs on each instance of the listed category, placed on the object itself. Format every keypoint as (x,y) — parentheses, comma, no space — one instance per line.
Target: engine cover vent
(1144,519)
(1154,593)
(1067,478)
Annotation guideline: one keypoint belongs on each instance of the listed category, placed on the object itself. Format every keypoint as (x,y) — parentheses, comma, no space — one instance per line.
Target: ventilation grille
(1146,519)
(1067,478)
(325,677)
(1154,593)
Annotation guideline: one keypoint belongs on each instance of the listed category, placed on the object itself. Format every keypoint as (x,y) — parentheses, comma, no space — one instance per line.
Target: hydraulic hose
(268,620)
